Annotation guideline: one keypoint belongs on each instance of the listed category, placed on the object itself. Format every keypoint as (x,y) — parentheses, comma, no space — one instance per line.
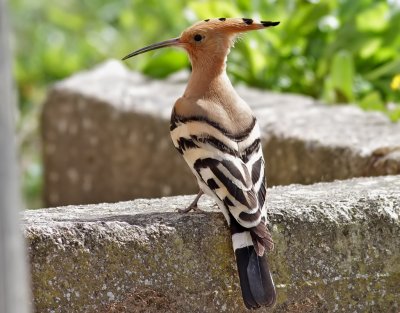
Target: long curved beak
(159,45)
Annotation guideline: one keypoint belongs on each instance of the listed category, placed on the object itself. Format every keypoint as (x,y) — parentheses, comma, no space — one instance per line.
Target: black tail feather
(242,260)
(255,278)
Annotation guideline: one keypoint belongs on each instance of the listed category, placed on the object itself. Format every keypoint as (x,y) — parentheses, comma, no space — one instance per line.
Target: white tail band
(241,240)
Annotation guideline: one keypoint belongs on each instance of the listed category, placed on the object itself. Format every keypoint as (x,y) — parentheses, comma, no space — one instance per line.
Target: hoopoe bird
(219,138)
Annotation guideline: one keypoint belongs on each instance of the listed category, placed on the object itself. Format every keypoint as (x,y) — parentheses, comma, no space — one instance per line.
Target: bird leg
(193,205)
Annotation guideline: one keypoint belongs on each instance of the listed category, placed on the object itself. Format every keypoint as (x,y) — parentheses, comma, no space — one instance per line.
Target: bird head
(211,38)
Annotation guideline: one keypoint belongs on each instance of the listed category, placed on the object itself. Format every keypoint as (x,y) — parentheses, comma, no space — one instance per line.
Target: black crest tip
(268,23)
(248,21)
(207,20)
(222,19)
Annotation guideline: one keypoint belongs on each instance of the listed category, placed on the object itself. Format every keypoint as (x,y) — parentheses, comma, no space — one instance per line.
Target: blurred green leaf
(374,19)
(67,20)
(372,101)
(164,63)
(370,48)
(127,19)
(388,69)
(394,114)
(213,9)
(342,76)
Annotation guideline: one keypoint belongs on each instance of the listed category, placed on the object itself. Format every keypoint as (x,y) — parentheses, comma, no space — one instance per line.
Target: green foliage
(341,77)
(340,51)
(165,63)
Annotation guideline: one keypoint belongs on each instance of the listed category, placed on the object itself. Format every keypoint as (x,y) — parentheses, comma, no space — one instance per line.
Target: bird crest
(222,32)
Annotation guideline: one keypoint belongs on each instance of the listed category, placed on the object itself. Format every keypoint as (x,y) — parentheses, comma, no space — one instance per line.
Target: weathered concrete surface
(106,138)
(337,250)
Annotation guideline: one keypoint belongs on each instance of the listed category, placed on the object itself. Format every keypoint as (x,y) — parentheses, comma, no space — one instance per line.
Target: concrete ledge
(106,138)
(337,250)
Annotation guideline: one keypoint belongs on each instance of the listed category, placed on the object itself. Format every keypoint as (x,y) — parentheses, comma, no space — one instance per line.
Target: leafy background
(339,51)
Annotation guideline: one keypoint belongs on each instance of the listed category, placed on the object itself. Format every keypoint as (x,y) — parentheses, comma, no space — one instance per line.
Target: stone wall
(337,250)
(106,138)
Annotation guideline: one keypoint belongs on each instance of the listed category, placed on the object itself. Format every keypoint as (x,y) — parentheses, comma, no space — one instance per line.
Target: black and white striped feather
(230,168)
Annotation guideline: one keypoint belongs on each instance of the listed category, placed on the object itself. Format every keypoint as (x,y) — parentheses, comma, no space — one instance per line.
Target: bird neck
(210,93)
(208,78)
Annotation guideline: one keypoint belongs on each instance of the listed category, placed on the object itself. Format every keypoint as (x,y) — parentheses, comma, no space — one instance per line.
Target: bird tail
(256,282)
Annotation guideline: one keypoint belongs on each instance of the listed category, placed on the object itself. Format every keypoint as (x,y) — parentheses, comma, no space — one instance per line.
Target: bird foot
(193,205)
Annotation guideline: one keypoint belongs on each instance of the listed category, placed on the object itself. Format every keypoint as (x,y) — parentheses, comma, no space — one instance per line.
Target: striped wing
(229,168)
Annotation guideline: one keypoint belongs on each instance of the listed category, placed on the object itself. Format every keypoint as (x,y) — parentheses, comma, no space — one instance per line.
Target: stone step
(106,138)
(336,250)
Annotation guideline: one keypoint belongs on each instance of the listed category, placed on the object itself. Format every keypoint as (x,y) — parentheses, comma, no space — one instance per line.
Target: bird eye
(198,37)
